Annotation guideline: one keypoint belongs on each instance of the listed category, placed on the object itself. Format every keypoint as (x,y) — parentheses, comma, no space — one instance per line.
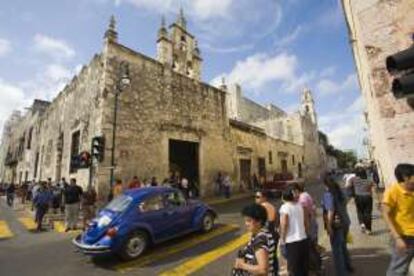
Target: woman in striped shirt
(257,257)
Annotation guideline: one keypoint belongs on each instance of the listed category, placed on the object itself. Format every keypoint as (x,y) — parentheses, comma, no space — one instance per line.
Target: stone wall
(252,143)
(77,107)
(162,105)
(378,29)
(244,109)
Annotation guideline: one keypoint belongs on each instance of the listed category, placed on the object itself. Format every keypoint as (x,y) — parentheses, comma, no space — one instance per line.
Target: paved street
(51,253)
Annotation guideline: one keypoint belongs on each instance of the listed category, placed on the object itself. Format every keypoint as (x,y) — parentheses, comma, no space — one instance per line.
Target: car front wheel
(208,222)
(134,246)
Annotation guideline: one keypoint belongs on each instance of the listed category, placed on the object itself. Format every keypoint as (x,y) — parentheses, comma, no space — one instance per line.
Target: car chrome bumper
(90,249)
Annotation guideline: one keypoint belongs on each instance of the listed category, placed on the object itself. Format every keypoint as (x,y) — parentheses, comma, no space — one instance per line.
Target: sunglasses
(258,196)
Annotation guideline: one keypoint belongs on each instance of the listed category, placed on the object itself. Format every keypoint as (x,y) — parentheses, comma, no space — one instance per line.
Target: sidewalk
(370,254)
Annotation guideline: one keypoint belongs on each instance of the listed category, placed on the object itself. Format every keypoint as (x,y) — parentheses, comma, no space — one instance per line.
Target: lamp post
(122,83)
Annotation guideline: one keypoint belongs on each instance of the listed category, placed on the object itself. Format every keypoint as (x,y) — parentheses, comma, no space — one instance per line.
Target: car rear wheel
(208,222)
(134,246)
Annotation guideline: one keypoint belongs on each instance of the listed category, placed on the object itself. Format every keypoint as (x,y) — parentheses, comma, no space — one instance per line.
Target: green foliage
(346,159)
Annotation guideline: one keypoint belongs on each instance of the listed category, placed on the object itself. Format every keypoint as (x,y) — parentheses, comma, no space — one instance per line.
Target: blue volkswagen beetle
(141,217)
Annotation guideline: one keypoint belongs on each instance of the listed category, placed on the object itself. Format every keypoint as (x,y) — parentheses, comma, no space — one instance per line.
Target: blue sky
(274,48)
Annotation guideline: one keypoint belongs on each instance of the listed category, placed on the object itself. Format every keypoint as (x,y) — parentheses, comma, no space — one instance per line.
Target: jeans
(340,252)
(71,215)
(10,199)
(364,210)
(40,213)
(400,264)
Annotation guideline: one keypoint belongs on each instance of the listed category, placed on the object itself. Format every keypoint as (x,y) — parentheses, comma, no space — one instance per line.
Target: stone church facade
(167,120)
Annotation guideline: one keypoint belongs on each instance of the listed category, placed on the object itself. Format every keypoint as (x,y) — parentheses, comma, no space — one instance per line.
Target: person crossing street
(72,197)
(42,201)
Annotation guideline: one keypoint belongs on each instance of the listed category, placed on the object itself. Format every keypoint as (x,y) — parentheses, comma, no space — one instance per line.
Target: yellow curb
(5,231)
(59,226)
(28,223)
(170,250)
(200,261)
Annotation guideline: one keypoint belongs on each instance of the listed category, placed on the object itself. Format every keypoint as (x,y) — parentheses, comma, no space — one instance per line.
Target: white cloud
(201,9)
(290,38)
(48,82)
(259,69)
(345,129)
(11,98)
(5,47)
(56,48)
(329,87)
(45,85)
(211,8)
(223,25)
(327,72)
(160,6)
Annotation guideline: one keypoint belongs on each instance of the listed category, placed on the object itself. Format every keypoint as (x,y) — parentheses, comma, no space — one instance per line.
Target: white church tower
(308,106)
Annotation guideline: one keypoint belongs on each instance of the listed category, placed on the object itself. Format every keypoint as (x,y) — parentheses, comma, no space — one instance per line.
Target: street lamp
(123,83)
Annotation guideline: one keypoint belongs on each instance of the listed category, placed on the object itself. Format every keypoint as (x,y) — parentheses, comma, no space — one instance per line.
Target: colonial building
(378,29)
(167,120)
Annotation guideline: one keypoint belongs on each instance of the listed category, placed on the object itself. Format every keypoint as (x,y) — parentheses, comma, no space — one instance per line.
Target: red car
(280,182)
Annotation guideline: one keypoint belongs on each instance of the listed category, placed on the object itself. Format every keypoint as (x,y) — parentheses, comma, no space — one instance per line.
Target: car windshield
(120,203)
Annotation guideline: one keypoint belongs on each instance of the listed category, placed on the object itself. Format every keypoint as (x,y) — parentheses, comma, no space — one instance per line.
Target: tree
(346,159)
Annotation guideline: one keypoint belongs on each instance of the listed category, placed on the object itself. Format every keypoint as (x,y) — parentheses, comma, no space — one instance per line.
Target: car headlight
(104,221)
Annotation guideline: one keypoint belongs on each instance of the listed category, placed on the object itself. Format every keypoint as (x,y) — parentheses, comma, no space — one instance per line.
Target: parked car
(280,182)
(142,217)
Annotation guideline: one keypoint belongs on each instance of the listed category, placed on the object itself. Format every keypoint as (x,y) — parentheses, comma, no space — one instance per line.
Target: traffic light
(402,64)
(98,148)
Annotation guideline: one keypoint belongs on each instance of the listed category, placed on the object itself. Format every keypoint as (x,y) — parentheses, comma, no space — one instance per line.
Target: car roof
(140,193)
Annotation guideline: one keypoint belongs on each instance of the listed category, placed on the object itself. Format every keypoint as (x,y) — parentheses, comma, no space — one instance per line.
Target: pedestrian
(374,174)
(257,257)
(308,204)
(57,197)
(88,206)
(272,222)
(154,182)
(227,186)
(185,188)
(30,190)
(255,181)
(118,188)
(24,191)
(294,241)
(10,193)
(42,201)
(63,185)
(72,196)
(218,184)
(337,222)
(363,188)
(398,211)
(135,183)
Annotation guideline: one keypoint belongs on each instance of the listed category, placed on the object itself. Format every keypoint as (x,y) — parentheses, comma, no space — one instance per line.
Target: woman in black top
(257,257)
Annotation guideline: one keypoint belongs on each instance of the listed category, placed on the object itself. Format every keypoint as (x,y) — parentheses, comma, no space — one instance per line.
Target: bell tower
(178,48)
(308,106)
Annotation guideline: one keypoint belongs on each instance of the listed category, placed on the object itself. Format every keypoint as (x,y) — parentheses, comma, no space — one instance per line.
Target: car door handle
(169,213)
